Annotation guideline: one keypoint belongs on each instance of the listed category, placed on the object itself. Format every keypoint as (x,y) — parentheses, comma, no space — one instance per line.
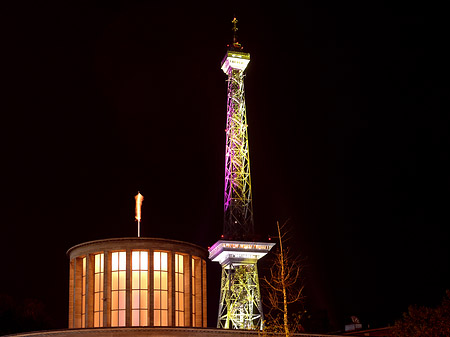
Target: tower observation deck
(240,304)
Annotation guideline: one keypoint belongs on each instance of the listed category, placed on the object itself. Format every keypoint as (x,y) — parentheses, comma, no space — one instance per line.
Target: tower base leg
(240,304)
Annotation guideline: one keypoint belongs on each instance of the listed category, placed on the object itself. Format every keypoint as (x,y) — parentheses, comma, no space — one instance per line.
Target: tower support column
(240,304)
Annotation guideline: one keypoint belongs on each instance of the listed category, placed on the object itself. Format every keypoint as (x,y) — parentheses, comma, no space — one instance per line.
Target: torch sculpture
(139,199)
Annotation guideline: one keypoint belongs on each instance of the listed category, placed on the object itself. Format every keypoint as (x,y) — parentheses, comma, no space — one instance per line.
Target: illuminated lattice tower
(240,304)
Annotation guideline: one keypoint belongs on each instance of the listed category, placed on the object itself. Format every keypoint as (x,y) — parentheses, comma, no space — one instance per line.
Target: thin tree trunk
(285,311)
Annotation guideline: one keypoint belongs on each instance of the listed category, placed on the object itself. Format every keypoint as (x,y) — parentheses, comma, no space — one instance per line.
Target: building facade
(137,282)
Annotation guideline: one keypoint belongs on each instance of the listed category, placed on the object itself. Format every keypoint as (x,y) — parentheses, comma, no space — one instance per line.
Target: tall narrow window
(139,285)
(118,288)
(196,291)
(161,293)
(98,289)
(179,290)
(83,293)
(193,292)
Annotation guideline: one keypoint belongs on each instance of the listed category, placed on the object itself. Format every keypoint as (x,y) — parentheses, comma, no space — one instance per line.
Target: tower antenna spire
(236,44)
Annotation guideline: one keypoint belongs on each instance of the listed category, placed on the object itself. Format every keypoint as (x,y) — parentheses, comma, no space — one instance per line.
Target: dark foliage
(425,322)
(22,316)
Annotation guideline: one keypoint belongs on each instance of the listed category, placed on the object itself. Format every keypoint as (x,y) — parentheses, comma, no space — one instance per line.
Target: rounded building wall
(128,282)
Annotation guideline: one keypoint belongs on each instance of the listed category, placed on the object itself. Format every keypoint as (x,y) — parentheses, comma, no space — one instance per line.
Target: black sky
(347,107)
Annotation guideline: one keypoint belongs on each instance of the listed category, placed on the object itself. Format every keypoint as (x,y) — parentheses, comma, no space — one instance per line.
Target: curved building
(128,282)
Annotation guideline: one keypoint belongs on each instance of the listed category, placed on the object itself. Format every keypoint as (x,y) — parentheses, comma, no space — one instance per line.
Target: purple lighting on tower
(238,219)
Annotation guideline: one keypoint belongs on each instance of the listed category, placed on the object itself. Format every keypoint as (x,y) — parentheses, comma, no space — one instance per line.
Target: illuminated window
(196,291)
(118,288)
(193,292)
(161,294)
(99,273)
(179,290)
(139,287)
(83,293)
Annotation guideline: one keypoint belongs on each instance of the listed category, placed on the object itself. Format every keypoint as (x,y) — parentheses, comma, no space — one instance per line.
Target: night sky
(348,112)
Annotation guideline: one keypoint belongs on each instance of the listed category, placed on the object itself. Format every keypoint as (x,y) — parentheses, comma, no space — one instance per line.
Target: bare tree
(284,287)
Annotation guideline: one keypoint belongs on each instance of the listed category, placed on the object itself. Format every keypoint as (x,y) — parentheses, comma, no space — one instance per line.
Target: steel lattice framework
(240,300)
(240,304)
(238,220)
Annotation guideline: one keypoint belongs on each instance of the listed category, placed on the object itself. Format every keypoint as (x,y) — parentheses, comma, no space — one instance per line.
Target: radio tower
(240,304)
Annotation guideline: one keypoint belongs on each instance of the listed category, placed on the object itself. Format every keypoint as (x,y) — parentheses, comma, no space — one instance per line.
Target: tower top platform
(238,252)
(235,60)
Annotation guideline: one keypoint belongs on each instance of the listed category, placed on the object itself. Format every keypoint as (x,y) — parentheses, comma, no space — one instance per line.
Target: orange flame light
(139,198)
